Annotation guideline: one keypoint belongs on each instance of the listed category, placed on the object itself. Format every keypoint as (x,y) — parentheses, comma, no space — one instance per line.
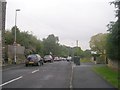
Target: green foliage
(86,54)
(50,44)
(77,51)
(47,45)
(98,43)
(9,38)
(113,40)
(31,43)
(64,51)
(95,55)
(85,60)
(108,74)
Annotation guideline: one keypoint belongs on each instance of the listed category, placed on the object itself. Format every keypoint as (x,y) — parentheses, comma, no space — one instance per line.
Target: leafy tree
(64,51)
(98,43)
(31,43)
(9,39)
(114,35)
(34,45)
(77,51)
(50,44)
(113,41)
(86,54)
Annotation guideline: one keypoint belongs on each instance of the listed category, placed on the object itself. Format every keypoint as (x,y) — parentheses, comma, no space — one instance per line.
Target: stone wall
(113,64)
(99,60)
(19,54)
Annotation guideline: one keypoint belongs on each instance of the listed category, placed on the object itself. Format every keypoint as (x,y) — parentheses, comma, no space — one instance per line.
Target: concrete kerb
(7,66)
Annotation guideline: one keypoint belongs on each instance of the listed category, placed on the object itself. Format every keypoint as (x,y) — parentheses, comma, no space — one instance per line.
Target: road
(50,75)
(61,74)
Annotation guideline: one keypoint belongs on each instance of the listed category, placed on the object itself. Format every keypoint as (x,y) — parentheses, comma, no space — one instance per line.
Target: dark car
(48,58)
(34,59)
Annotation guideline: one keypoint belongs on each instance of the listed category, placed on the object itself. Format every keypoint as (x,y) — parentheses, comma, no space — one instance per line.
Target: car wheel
(26,65)
(44,61)
(40,63)
(51,61)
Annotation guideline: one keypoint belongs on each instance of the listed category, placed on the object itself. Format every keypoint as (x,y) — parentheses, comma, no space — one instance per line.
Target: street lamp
(15,35)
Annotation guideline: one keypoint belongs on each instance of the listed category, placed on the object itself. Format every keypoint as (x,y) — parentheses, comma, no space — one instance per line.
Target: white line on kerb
(11,81)
(35,71)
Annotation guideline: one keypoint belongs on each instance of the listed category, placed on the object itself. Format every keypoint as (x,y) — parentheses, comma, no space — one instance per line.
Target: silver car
(48,58)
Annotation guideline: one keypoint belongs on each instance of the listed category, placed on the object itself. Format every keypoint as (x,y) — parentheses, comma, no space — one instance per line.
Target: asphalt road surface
(50,75)
(60,74)
(85,77)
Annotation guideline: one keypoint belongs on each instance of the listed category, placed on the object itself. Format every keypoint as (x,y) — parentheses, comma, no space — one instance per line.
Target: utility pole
(2,31)
(15,35)
(77,43)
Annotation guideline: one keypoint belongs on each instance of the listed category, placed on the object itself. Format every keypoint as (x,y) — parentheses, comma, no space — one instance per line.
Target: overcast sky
(70,20)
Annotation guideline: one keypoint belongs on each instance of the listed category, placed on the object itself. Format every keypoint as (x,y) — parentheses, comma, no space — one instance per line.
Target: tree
(98,43)
(113,41)
(86,54)
(9,38)
(77,51)
(64,51)
(31,43)
(34,45)
(50,44)
(114,35)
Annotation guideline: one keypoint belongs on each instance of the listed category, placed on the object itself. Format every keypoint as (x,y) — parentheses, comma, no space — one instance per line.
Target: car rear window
(31,57)
(48,56)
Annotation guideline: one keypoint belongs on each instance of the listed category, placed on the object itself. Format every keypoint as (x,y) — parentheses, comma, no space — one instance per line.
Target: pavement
(10,66)
(85,77)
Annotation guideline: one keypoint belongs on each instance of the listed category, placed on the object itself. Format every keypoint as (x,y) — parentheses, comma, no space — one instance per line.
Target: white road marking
(71,79)
(35,71)
(11,81)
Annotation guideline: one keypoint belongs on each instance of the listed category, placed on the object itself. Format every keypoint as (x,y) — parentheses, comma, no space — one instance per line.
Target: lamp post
(15,35)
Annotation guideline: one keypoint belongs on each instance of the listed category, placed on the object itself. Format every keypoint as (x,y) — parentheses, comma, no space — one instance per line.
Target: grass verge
(108,74)
(84,60)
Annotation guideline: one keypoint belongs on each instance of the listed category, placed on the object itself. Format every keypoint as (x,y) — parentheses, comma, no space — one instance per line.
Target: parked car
(69,58)
(34,59)
(64,59)
(48,58)
(56,59)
